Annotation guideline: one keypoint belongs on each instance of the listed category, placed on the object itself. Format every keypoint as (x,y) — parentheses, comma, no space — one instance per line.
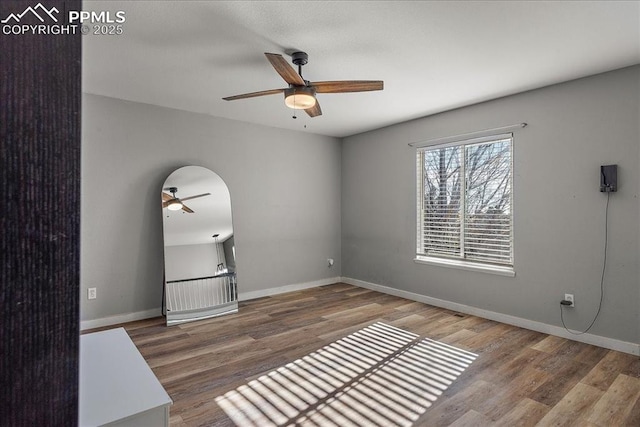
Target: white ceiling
(432,56)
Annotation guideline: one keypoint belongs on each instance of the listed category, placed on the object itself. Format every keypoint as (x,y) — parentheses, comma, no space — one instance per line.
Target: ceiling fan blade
(186,209)
(284,69)
(166,199)
(314,111)
(254,94)
(341,86)
(195,197)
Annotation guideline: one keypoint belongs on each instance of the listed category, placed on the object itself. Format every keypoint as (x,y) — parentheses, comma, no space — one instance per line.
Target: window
(464,203)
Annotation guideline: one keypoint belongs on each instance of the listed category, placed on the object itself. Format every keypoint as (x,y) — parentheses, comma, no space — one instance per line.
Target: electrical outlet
(569,297)
(91,293)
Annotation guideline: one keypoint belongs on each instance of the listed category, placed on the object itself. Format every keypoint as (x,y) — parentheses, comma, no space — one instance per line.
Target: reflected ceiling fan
(173,203)
(301,93)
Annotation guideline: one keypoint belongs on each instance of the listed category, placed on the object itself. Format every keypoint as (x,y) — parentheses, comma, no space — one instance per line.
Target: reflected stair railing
(201,297)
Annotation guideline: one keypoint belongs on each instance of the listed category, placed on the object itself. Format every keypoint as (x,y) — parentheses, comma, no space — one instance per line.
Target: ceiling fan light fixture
(174,205)
(300,97)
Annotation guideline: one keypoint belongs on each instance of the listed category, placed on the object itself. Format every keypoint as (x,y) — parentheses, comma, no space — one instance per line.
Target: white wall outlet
(569,297)
(330,262)
(91,293)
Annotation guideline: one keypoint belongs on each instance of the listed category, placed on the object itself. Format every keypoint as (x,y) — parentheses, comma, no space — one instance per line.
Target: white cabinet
(117,387)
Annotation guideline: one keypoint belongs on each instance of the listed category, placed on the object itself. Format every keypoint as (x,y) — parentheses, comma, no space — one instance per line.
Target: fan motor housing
(299,58)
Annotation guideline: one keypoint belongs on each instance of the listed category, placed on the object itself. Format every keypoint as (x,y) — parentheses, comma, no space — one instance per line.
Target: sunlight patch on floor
(378,376)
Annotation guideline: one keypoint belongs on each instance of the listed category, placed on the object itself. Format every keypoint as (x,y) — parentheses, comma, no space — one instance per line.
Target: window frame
(452,261)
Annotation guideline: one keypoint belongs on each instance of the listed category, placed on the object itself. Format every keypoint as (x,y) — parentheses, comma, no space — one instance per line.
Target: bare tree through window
(466,201)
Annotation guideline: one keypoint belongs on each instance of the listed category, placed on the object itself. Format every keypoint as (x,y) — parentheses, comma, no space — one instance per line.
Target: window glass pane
(487,234)
(442,195)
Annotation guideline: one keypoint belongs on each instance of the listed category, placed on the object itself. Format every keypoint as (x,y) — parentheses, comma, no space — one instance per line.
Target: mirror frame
(194,233)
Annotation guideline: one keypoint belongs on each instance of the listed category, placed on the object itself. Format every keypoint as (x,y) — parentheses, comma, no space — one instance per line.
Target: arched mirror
(199,249)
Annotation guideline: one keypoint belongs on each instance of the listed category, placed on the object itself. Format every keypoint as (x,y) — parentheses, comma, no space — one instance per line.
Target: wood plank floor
(517,377)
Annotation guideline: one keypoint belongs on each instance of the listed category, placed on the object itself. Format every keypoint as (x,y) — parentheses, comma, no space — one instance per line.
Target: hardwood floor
(475,372)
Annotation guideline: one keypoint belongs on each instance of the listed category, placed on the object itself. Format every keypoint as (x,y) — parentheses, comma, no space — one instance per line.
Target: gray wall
(190,261)
(558,209)
(285,195)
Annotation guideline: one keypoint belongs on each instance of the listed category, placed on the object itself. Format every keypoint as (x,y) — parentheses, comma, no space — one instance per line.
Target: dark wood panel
(39,254)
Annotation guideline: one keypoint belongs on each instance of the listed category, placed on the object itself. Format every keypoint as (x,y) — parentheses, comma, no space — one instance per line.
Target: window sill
(466,265)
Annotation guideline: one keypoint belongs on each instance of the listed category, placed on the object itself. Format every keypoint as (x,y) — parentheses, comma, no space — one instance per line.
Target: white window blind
(465,200)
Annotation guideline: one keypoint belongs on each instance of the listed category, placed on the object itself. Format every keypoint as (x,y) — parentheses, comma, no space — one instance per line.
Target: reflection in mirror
(199,250)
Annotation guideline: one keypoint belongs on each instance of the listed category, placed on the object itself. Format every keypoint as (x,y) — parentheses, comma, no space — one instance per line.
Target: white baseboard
(120,318)
(600,341)
(245,296)
(242,296)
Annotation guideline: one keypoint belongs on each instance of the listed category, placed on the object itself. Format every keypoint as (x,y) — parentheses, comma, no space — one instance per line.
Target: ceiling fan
(301,93)
(173,203)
